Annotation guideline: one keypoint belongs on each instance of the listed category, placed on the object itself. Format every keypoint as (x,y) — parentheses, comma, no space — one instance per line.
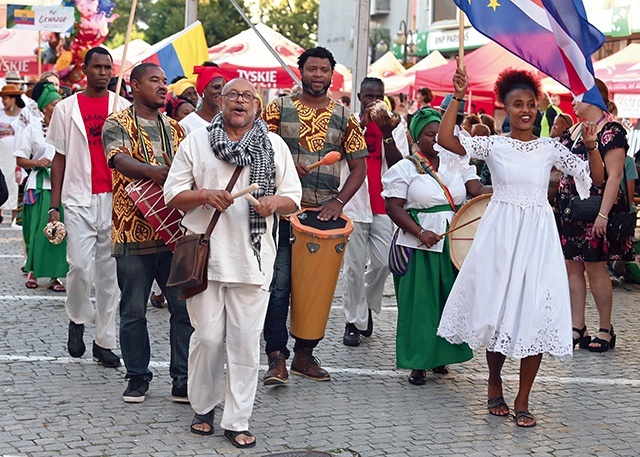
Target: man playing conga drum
(136,142)
(312,125)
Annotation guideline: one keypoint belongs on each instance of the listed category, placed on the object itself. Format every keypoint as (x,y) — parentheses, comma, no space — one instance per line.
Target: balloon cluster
(92,20)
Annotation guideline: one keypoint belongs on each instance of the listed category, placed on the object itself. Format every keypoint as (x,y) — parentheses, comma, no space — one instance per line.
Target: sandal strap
(580,331)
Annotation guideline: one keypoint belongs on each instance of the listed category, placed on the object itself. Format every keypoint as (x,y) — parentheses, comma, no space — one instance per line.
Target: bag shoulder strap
(422,161)
(216,213)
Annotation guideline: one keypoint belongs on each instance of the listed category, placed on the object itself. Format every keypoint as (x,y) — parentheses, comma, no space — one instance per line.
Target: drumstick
(167,160)
(329,159)
(463,225)
(246,190)
(251,199)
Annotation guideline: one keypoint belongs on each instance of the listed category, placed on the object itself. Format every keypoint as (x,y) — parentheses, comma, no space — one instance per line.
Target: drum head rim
(333,233)
(457,217)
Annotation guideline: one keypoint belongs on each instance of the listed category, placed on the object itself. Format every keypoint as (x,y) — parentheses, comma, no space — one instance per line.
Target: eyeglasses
(233,96)
(217,86)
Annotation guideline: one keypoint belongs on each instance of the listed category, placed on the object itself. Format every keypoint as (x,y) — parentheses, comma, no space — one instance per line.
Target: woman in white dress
(512,293)
(12,104)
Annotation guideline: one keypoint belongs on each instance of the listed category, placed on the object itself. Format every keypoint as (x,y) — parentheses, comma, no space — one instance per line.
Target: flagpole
(39,54)
(124,54)
(461,39)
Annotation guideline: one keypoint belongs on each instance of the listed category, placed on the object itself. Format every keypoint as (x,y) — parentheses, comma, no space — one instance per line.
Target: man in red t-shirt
(81,182)
(371,237)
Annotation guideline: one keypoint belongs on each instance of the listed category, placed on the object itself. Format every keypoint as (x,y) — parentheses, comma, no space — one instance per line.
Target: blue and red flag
(552,35)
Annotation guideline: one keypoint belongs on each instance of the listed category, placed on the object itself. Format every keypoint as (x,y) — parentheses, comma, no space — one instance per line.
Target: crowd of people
(401,179)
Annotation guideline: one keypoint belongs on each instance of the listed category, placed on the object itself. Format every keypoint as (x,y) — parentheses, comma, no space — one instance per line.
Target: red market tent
(246,56)
(621,71)
(17,48)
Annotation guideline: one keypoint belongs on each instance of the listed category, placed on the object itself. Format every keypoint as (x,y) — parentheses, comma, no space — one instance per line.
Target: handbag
(583,210)
(622,225)
(399,256)
(190,260)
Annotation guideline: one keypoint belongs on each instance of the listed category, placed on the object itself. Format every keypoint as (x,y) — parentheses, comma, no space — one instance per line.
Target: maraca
(329,159)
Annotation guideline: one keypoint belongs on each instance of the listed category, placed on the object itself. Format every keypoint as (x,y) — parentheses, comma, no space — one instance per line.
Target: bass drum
(460,240)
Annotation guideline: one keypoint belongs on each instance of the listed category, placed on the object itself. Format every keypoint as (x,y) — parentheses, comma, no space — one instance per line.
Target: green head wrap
(421,118)
(49,94)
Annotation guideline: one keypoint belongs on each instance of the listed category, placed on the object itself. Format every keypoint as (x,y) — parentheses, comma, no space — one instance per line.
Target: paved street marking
(347,371)
(11,256)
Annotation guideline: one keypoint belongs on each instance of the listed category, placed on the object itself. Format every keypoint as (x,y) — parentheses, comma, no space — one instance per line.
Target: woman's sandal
(56,285)
(525,415)
(202,419)
(442,369)
(32,283)
(604,344)
(582,341)
(232,437)
(497,402)
(418,377)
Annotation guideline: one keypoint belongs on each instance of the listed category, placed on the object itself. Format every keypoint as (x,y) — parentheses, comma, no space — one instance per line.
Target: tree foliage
(157,19)
(295,19)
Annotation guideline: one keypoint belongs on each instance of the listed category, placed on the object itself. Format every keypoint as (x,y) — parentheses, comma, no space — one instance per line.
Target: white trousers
(89,257)
(233,313)
(364,287)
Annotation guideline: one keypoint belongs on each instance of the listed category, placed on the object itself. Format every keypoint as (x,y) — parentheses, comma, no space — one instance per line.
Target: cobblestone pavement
(55,405)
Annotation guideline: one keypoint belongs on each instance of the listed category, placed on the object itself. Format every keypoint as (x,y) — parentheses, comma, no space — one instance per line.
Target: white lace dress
(512,293)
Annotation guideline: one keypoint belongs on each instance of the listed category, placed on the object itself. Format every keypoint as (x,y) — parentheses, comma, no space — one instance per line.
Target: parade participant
(81,181)
(373,229)
(549,113)
(421,194)
(312,125)
(561,125)
(12,105)
(44,259)
(178,108)
(586,246)
(512,292)
(136,140)
(209,85)
(230,312)
(186,89)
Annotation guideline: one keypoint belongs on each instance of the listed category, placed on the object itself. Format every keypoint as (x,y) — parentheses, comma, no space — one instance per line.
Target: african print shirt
(130,231)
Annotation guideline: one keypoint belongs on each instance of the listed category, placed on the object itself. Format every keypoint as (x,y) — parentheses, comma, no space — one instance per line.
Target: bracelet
(592,149)
(420,233)
(200,195)
(339,201)
(52,209)
(457,99)
(603,216)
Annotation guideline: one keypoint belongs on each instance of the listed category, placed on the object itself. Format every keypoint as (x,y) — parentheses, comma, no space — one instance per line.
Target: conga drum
(463,230)
(316,255)
(149,198)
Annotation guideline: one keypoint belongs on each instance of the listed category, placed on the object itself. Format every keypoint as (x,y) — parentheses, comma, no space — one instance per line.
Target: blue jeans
(275,323)
(135,277)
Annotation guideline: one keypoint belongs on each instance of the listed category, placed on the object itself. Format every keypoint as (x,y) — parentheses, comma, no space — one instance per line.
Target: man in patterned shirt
(312,125)
(136,140)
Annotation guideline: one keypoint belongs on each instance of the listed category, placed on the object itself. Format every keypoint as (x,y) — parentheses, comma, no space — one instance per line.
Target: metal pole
(190,12)
(275,54)
(363,17)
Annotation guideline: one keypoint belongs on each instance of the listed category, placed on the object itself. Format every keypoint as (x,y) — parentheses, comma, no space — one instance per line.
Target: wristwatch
(387,140)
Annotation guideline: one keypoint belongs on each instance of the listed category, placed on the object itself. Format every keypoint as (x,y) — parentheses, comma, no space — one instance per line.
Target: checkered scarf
(255,149)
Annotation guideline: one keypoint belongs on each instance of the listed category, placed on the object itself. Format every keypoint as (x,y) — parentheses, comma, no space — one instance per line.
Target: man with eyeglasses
(312,125)
(136,142)
(229,314)
(209,85)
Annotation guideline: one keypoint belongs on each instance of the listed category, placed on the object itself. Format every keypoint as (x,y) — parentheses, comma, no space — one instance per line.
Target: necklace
(600,120)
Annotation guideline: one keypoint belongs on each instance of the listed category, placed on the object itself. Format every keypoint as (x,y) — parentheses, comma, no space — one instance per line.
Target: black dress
(577,243)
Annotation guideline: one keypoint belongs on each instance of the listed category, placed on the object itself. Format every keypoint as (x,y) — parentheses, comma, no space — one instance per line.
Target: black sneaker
(179,394)
(75,344)
(351,335)
(105,357)
(369,329)
(136,390)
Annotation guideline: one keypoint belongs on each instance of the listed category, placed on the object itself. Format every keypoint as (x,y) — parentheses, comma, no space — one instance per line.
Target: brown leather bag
(191,256)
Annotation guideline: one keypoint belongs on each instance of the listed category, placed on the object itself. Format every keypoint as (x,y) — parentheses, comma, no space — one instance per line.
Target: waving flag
(179,53)
(552,35)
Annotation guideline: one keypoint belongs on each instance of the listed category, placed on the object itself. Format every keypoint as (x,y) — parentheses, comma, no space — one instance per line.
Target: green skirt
(44,259)
(421,294)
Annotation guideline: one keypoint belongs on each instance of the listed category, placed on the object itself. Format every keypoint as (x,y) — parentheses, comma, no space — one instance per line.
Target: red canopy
(483,66)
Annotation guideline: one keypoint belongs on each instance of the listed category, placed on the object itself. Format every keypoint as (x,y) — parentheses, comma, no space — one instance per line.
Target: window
(443,10)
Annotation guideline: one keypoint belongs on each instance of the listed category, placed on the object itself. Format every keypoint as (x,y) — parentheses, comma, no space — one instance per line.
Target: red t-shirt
(373,138)
(94,112)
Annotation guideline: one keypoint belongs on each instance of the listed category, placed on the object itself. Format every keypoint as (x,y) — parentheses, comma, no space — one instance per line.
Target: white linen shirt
(68,136)
(231,257)
(31,145)
(421,191)
(191,122)
(358,208)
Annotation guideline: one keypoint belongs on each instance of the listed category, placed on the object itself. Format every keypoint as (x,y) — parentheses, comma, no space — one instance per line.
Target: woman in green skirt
(422,193)
(44,259)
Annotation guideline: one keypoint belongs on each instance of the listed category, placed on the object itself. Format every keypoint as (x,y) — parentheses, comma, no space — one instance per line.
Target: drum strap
(164,137)
(426,165)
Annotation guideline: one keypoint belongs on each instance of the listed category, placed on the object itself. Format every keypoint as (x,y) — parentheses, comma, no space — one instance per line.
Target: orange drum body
(460,240)
(149,199)
(316,255)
